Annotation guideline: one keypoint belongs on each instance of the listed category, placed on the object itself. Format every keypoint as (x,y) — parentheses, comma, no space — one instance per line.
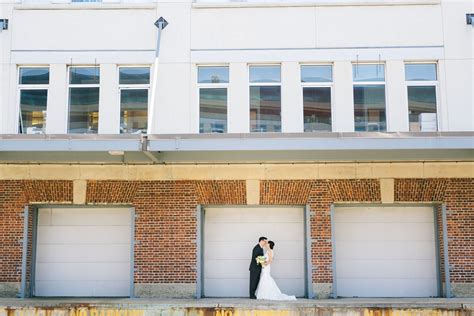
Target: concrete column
(343,101)
(58,103)
(238,108)
(291,98)
(396,97)
(109,106)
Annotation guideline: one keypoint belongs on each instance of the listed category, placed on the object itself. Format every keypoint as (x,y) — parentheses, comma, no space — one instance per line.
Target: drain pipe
(161,23)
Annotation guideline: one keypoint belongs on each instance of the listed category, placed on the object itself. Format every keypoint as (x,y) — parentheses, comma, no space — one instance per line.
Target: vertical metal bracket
(199,249)
(333,244)
(447,275)
(308,256)
(25,252)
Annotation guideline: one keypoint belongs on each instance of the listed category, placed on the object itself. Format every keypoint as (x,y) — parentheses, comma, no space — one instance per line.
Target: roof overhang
(212,148)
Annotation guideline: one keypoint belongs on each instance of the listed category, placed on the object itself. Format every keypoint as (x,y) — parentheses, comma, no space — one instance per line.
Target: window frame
(372,83)
(76,85)
(21,87)
(423,83)
(324,84)
(129,86)
(264,84)
(210,85)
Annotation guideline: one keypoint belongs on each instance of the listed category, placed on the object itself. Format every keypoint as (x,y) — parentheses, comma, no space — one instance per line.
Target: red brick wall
(166,222)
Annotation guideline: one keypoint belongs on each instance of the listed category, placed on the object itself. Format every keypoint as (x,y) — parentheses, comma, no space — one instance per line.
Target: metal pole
(25,252)
(161,23)
(447,276)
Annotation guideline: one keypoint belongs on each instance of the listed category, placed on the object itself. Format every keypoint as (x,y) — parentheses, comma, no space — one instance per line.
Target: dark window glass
(265,109)
(267,74)
(213,74)
(317,109)
(134,75)
(320,73)
(84,75)
(133,110)
(34,75)
(420,72)
(422,108)
(33,110)
(213,110)
(83,110)
(375,72)
(369,108)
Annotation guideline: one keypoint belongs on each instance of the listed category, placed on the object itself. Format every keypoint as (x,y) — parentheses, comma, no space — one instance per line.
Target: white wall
(124,34)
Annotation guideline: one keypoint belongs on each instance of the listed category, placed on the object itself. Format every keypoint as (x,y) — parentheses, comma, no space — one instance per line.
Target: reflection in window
(316,73)
(212,83)
(265,99)
(134,84)
(84,110)
(213,110)
(317,109)
(369,108)
(133,110)
(265,109)
(33,89)
(369,98)
(421,85)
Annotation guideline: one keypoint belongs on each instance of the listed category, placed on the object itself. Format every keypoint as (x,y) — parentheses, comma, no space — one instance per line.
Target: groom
(254,268)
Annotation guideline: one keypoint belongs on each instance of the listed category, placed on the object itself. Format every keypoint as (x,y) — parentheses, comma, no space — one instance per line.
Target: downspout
(161,23)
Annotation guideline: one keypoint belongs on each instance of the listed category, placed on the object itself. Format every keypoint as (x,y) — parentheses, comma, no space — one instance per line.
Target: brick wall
(166,222)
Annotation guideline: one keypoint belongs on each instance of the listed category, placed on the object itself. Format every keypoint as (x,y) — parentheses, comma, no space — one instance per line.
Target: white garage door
(229,237)
(83,252)
(385,252)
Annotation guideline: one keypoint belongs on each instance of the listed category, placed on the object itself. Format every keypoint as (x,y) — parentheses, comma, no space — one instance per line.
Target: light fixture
(116,152)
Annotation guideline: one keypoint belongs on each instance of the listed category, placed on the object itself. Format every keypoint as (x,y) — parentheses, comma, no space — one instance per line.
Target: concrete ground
(247,304)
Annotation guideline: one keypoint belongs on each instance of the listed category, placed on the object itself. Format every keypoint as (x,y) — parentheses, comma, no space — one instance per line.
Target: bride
(267,288)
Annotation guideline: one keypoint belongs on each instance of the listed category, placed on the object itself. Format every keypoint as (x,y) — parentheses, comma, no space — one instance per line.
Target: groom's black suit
(255,270)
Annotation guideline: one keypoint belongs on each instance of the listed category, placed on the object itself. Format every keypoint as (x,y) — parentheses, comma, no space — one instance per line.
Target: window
(422,84)
(212,85)
(33,94)
(83,99)
(134,84)
(265,99)
(317,82)
(369,97)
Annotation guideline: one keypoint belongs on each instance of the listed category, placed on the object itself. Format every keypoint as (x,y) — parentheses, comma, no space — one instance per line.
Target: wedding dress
(267,288)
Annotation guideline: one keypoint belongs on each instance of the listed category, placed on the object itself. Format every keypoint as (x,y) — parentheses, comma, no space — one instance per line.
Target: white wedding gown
(268,289)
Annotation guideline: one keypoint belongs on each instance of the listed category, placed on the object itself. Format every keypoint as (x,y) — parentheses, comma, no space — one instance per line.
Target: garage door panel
(238,250)
(384,215)
(385,251)
(381,268)
(387,287)
(90,217)
(82,288)
(240,231)
(385,232)
(388,250)
(226,287)
(253,215)
(84,234)
(75,271)
(229,237)
(84,253)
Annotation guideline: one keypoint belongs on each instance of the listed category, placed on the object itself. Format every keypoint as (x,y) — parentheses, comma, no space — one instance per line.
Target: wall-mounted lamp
(470,19)
(3,24)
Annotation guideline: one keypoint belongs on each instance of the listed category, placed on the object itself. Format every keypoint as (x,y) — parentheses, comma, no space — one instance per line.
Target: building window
(369,97)
(265,98)
(421,80)
(316,81)
(134,84)
(83,99)
(33,96)
(212,85)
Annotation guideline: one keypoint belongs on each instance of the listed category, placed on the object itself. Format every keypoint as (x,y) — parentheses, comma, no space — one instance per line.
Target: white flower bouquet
(260,260)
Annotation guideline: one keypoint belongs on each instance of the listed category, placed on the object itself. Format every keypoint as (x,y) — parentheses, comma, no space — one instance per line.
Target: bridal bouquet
(260,260)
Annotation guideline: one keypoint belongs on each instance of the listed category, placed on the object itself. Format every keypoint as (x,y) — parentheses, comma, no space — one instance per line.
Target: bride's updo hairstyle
(271,244)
